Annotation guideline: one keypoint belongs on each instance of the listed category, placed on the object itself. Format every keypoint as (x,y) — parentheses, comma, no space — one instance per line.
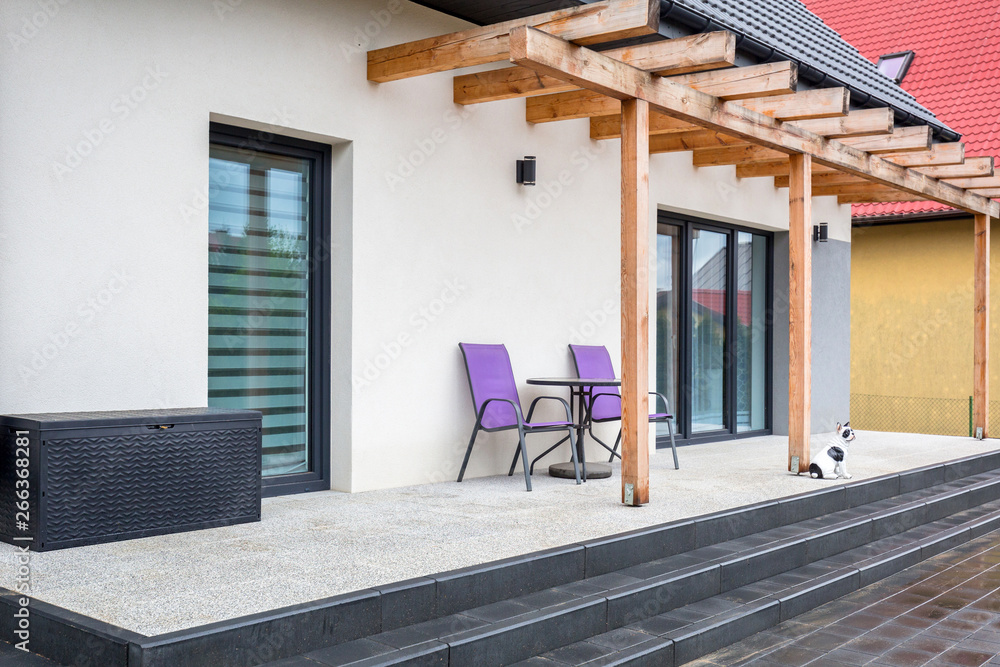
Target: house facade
(210,203)
(911,276)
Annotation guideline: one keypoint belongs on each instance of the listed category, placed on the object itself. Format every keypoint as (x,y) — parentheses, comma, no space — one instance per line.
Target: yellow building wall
(911,326)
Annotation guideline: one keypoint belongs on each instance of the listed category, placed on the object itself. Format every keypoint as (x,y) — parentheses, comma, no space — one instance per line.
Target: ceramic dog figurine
(831,461)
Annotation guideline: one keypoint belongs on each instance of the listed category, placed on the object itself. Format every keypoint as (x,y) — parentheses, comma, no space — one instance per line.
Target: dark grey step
(633,548)
(13,657)
(673,582)
(504,632)
(689,632)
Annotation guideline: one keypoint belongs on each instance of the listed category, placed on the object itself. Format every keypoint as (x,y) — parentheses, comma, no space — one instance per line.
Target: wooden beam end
(517,44)
(653,15)
(793,76)
(729,46)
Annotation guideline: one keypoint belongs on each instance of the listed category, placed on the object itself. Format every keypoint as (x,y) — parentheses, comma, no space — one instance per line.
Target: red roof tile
(955,71)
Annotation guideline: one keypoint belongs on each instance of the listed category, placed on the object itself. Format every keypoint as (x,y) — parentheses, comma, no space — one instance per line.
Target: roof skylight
(895,65)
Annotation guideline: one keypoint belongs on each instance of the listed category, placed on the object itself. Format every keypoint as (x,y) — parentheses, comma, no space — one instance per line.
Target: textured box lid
(66,420)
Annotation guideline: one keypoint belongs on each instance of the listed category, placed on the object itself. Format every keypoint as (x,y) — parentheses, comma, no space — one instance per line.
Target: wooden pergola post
(635,302)
(799,309)
(981,336)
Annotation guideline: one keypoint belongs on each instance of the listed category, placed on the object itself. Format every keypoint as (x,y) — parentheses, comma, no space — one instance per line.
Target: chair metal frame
(666,417)
(522,425)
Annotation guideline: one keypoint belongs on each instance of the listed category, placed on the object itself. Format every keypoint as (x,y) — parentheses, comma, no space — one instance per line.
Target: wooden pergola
(685,94)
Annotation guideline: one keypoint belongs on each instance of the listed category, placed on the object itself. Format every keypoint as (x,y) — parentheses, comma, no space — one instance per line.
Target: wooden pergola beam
(856,123)
(610,127)
(858,188)
(553,56)
(818,103)
(736,83)
(976,183)
(825,178)
(902,139)
(570,106)
(687,141)
(744,153)
(683,55)
(889,196)
(939,154)
(861,191)
(776,167)
(971,168)
(742,83)
(992,193)
(740,153)
(594,23)
(505,84)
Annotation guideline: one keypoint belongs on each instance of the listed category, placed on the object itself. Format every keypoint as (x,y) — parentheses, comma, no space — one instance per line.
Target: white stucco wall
(104,113)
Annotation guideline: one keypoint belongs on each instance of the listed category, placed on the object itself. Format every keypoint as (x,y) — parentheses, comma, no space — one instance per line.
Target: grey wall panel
(831,335)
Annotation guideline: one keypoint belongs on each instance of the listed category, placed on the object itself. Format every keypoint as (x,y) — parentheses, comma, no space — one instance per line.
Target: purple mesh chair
(593,361)
(498,408)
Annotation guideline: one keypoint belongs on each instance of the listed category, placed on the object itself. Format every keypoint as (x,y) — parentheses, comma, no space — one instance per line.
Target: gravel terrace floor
(316,545)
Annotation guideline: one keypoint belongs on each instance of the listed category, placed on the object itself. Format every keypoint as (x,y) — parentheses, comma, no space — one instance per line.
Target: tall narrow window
(709,297)
(668,305)
(266,313)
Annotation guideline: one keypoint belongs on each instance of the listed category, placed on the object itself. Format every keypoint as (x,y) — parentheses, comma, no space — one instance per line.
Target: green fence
(914,414)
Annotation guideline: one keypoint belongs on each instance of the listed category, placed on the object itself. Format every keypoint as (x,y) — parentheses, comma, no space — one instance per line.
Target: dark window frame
(682,411)
(320,286)
(907,58)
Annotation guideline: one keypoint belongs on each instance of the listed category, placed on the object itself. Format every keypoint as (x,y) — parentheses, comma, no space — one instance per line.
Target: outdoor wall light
(821,232)
(526,170)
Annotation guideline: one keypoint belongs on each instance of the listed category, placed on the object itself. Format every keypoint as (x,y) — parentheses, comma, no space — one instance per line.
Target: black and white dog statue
(831,461)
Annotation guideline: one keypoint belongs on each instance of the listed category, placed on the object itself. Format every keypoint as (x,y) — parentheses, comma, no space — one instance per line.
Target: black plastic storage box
(74,478)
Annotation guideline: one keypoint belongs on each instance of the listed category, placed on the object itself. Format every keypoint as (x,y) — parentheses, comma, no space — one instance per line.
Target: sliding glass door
(712,328)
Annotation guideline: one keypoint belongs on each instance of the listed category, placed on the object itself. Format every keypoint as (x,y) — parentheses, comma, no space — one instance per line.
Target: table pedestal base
(594,470)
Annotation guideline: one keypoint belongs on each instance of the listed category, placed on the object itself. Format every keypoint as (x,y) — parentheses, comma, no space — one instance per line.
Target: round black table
(580,390)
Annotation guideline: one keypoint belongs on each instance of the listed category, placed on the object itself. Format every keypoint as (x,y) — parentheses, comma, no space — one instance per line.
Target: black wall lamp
(821,232)
(526,170)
